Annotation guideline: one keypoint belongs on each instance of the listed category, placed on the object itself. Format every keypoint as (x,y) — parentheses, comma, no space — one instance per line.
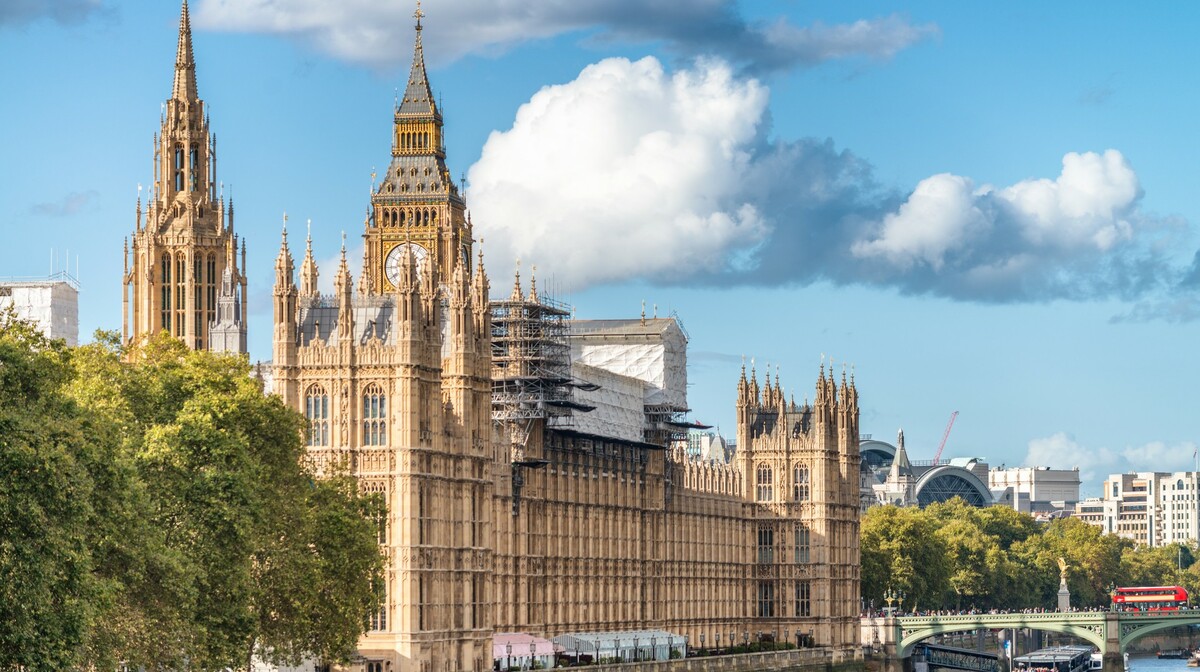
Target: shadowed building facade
(500,517)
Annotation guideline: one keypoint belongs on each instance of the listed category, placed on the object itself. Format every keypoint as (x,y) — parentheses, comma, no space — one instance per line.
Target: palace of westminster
(532,464)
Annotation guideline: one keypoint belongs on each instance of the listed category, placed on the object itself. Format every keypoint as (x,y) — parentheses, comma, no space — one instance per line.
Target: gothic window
(764,492)
(194,169)
(211,286)
(374,417)
(803,599)
(180,293)
(766,545)
(316,409)
(178,169)
(166,292)
(802,543)
(379,618)
(800,483)
(766,599)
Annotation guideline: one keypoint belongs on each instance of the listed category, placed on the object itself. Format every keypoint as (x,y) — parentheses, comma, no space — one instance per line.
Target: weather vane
(418,15)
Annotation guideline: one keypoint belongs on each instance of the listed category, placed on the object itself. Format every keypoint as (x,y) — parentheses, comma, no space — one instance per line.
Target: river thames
(1150,663)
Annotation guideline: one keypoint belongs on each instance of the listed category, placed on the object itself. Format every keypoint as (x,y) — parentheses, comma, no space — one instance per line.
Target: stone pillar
(1064,596)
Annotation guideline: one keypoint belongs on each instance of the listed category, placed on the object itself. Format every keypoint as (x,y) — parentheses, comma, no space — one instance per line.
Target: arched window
(166,292)
(764,492)
(802,543)
(800,485)
(316,409)
(180,293)
(194,168)
(374,417)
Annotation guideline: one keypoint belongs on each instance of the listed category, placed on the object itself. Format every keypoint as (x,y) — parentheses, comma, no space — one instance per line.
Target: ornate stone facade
(611,534)
(184,245)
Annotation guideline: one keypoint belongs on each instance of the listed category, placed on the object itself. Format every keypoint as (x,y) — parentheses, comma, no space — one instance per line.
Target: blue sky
(983,208)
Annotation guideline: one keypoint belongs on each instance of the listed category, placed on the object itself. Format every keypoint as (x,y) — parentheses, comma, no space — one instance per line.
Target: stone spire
(284,267)
(901,467)
(308,268)
(185,63)
(516,293)
(418,97)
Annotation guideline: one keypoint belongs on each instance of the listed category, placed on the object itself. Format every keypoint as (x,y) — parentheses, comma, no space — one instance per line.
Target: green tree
(902,551)
(1094,560)
(246,550)
(47,588)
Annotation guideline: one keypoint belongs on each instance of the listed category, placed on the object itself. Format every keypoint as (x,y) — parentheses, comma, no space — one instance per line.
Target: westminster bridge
(1109,631)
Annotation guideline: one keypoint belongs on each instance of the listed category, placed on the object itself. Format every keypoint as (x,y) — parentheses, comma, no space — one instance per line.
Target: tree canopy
(156,509)
(997,558)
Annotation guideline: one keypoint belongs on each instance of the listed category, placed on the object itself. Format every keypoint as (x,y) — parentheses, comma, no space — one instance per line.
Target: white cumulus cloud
(627,171)
(1062,451)
(941,215)
(1088,207)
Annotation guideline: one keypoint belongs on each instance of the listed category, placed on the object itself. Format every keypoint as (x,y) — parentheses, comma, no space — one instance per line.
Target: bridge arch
(1135,629)
(1090,626)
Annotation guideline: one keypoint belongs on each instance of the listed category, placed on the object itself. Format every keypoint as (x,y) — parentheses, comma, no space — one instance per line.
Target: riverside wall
(794,660)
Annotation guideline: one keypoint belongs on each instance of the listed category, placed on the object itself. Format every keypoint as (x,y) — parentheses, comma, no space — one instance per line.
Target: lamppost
(702,640)
(746,638)
(532,652)
(785,637)
(637,653)
(508,656)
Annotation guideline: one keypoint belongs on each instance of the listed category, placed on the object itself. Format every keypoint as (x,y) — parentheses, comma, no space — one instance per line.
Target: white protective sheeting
(618,414)
(52,305)
(653,351)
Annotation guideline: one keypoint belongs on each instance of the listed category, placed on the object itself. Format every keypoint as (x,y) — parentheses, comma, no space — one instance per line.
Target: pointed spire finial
(185,63)
(418,15)
(285,227)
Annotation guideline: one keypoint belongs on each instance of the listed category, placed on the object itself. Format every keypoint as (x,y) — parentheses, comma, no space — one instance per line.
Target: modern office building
(1151,508)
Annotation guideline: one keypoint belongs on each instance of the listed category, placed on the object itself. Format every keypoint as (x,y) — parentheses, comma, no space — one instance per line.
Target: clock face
(395,257)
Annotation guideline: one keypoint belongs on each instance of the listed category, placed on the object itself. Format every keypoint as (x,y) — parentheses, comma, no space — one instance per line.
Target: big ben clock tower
(416,207)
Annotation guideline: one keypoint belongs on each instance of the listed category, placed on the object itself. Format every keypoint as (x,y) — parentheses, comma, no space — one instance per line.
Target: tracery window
(316,409)
(803,599)
(802,543)
(766,599)
(374,416)
(800,483)
(766,545)
(166,292)
(764,492)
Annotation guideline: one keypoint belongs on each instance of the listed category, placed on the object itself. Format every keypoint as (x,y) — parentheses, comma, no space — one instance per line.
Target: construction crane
(938,455)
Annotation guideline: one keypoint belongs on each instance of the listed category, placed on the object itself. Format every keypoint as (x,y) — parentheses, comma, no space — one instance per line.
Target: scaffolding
(531,369)
(531,377)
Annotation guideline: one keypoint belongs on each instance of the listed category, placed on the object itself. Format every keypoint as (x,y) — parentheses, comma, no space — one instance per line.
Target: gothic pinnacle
(185,63)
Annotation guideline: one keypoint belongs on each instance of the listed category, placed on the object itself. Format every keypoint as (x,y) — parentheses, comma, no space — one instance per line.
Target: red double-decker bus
(1150,598)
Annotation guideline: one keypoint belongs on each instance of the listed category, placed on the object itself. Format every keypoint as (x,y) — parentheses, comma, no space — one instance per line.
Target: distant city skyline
(981,209)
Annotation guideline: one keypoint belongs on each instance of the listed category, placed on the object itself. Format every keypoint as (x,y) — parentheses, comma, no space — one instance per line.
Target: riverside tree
(155,509)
